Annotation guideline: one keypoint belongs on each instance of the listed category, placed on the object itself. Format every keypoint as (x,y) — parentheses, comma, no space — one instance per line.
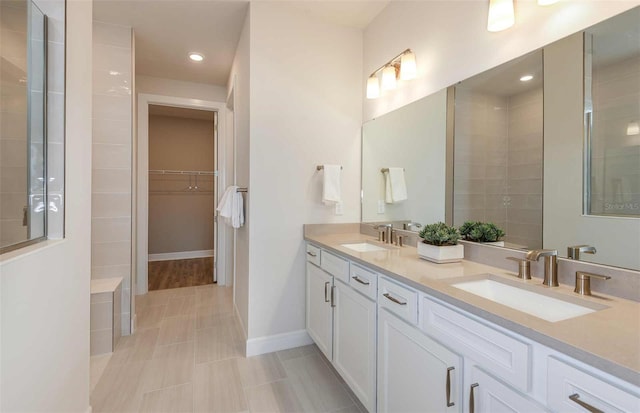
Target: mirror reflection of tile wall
(498,162)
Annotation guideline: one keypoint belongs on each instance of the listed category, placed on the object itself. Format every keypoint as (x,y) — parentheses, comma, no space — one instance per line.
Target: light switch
(339,208)
(380,206)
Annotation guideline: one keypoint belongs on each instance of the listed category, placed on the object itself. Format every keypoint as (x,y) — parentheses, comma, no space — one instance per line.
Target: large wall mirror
(26,119)
(500,161)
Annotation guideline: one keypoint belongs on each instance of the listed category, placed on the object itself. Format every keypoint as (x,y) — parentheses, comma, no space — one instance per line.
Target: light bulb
(196,57)
(389,78)
(526,78)
(501,15)
(373,87)
(633,128)
(408,69)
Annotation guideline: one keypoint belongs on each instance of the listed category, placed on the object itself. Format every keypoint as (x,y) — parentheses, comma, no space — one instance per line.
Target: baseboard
(184,255)
(134,323)
(89,409)
(269,344)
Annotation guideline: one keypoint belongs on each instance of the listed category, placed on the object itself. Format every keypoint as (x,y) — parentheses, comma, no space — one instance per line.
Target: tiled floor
(186,356)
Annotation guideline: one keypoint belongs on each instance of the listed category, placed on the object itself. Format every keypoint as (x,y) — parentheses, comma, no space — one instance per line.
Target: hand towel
(237,210)
(395,186)
(331,184)
(224,206)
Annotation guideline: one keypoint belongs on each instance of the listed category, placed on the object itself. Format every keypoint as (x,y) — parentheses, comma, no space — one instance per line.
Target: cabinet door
(415,373)
(354,342)
(488,395)
(319,310)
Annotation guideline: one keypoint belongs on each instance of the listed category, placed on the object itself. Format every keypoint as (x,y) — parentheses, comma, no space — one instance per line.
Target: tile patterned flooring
(187,356)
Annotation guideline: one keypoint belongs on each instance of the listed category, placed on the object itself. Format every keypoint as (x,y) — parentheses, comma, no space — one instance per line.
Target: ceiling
(176,112)
(167,30)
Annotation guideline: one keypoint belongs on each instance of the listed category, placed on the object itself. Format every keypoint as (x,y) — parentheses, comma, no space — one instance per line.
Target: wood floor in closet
(180,273)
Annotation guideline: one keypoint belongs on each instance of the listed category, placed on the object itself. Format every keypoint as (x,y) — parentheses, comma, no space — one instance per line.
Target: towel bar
(383,170)
(321,167)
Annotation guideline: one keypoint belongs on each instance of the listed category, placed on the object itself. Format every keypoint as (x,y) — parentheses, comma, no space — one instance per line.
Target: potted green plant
(485,232)
(440,243)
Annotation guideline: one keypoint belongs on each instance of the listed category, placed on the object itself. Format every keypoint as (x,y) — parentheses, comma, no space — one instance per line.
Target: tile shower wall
(498,163)
(111,164)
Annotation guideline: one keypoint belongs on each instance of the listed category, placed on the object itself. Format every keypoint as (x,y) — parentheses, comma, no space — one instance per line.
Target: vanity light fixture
(526,78)
(196,57)
(402,67)
(546,2)
(501,15)
(633,128)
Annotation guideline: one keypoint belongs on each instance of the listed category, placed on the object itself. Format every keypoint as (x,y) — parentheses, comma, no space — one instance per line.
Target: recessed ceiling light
(526,78)
(196,57)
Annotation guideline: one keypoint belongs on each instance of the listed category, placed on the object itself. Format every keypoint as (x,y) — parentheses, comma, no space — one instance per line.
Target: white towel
(237,210)
(231,207)
(331,184)
(395,186)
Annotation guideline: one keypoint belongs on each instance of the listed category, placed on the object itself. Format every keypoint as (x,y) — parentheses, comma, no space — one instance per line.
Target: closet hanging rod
(383,170)
(321,167)
(170,172)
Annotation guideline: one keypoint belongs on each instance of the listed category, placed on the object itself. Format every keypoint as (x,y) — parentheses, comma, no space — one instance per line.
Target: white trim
(134,323)
(89,409)
(269,344)
(183,255)
(142,213)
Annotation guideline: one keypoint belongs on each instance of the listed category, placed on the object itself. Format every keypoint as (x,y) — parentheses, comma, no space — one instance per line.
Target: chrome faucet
(550,265)
(574,251)
(385,232)
(409,226)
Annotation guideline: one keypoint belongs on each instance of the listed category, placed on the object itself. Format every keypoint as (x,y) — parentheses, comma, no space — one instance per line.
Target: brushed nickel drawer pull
(576,399)
(312,254)
(360,280)
(394,299)
(333,296)
(472,401)
(449,402)
(326,293)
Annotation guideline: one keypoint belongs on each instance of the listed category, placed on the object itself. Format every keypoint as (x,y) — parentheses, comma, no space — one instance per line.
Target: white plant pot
(495,243)
(441,255)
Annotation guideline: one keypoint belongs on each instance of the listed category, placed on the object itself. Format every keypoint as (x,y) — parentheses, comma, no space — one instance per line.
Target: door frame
(142,179)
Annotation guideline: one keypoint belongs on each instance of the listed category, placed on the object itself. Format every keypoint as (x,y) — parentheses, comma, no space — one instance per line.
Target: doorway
(181,230)
(177,186)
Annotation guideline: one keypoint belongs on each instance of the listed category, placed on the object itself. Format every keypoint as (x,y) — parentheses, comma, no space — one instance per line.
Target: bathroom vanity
(409,335)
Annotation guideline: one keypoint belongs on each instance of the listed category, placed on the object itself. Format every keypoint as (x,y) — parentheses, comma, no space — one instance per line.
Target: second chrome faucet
(550,265)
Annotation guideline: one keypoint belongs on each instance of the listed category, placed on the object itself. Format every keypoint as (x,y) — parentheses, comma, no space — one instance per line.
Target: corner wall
(306,110)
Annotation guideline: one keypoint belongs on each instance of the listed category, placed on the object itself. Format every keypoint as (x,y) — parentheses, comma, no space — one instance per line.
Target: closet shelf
(170,172)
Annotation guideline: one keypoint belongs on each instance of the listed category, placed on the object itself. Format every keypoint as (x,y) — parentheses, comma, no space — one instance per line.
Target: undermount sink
(364,247)
(528,298)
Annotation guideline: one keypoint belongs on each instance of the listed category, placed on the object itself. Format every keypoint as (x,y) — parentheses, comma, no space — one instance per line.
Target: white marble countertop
(607,339)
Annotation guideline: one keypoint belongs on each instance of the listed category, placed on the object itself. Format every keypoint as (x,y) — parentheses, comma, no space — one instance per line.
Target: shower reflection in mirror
(23,142)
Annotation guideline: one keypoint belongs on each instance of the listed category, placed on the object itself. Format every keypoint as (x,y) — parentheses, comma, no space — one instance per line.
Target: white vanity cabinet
(319,310)
(354,342)
(341,319)
(415,373)
(571,389)
(486,394)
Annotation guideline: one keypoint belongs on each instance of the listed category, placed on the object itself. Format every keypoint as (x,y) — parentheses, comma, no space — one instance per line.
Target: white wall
(306,110)
(452,43)
(178,88)
(239,83)
(44,299)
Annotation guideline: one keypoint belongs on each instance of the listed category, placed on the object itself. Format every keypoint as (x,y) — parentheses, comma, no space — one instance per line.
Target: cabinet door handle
(312,254)
(333,296)
(472,401)
(576,399)
(360,280)
(326,293)
(449,402)
(394,299)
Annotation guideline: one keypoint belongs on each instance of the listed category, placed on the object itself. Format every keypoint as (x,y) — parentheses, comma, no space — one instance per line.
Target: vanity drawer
(504,356)
(334,265)
(398,299)
(364,280)
(313,254)
(568,387)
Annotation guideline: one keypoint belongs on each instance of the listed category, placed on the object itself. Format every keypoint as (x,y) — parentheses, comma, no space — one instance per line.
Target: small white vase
(441,255)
